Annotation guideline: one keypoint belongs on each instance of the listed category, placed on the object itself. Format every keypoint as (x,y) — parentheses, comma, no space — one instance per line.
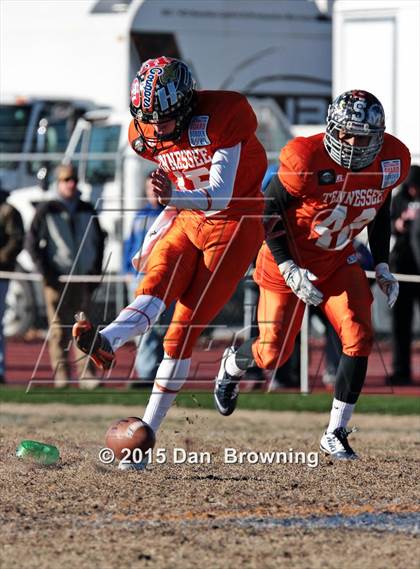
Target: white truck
(376,46)
(34,125)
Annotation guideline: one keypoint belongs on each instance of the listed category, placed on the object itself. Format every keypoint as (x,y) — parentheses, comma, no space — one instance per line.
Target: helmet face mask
(354,114)
(162,91)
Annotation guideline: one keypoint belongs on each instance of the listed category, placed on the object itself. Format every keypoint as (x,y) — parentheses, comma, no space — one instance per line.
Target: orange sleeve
(296,173)
(236,122)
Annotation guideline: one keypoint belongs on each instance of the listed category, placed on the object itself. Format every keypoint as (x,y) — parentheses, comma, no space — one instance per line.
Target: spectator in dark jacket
(65,238)
(11,243)
(405,258)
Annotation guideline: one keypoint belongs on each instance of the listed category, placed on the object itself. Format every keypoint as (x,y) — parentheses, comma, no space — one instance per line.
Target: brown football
(129,433)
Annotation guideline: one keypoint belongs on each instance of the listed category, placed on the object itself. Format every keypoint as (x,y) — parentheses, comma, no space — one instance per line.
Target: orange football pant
(199,263)
(347,302)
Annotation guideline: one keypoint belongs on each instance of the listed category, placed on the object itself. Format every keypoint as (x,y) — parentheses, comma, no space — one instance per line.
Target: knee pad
(270,355)
(360,347)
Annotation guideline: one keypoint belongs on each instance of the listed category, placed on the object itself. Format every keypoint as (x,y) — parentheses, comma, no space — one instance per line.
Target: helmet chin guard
(355,113)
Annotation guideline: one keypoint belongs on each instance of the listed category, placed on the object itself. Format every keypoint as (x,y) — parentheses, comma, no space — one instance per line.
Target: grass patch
(316,402)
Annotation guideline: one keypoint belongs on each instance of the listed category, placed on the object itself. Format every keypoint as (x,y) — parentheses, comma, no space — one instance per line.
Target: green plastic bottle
(40,452)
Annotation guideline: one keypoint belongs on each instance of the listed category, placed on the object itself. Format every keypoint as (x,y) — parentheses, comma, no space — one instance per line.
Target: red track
(29,360)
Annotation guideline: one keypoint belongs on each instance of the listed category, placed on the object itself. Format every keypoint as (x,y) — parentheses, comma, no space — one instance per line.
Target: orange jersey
(221,119)
(333,204)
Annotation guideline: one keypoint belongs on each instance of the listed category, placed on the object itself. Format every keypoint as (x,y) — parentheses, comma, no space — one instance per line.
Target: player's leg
(168,272)
(228,248)
(348,307)
(279,320)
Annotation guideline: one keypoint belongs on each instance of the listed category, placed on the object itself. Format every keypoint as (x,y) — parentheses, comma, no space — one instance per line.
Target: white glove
(299,280)
(387,283)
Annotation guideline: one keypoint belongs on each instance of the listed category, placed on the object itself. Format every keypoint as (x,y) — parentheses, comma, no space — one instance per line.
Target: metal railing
(109,278)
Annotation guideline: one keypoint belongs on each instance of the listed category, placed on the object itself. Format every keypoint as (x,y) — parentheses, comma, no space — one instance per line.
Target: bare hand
(162,187)
(400,226)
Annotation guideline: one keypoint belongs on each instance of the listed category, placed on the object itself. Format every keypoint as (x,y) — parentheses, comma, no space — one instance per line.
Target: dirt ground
(82,513)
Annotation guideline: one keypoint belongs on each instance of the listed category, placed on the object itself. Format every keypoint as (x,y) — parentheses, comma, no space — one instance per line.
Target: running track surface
(29,360)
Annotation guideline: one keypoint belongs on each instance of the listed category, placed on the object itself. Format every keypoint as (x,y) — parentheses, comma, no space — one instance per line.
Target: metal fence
(227,331)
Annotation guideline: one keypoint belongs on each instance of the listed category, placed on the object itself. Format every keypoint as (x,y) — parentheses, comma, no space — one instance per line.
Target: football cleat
(336,445)
(92,343)
(226,390)
(134,465)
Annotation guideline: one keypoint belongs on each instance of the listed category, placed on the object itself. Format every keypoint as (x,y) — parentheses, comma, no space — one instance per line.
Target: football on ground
(130,433)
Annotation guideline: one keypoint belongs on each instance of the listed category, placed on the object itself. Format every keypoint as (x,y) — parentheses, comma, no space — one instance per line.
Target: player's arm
(229,130)
(215,196)
(277,201)
(379,232)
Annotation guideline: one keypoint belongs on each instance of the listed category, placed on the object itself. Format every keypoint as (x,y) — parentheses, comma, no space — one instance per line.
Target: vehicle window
(13,124)
(61,118)
(102,139)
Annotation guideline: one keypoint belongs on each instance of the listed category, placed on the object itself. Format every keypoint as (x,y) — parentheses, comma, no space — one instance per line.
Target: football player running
(328,188)
(205,145)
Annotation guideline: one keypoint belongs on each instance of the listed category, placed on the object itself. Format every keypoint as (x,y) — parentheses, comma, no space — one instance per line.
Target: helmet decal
(375,115)
(149,88)
(167,96)
(135,92)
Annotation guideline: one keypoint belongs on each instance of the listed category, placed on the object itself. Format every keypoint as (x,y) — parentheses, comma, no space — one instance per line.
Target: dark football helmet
(356,113)
(163,90)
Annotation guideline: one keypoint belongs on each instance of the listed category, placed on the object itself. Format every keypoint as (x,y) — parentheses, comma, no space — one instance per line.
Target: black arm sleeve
(277,200)
(379,231)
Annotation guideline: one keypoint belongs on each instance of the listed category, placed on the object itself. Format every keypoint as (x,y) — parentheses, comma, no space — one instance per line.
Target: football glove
(387,283)
(299,280)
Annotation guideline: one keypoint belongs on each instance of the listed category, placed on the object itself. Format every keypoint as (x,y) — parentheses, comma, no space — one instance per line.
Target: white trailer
(376,46)
(91,49)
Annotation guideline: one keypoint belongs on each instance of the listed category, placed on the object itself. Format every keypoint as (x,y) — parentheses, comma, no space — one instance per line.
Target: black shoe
(226,390)
(336,445)
(92,343)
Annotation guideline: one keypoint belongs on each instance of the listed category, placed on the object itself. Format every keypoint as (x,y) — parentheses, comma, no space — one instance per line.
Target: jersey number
(199,178)
(333,234)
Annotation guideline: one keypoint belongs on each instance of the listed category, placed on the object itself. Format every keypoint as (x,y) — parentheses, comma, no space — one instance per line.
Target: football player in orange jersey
(329,187)
(205,145)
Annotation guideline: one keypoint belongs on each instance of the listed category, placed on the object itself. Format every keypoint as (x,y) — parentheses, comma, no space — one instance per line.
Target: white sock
(340,415)
(170,377)
(133,320)
(232,368)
